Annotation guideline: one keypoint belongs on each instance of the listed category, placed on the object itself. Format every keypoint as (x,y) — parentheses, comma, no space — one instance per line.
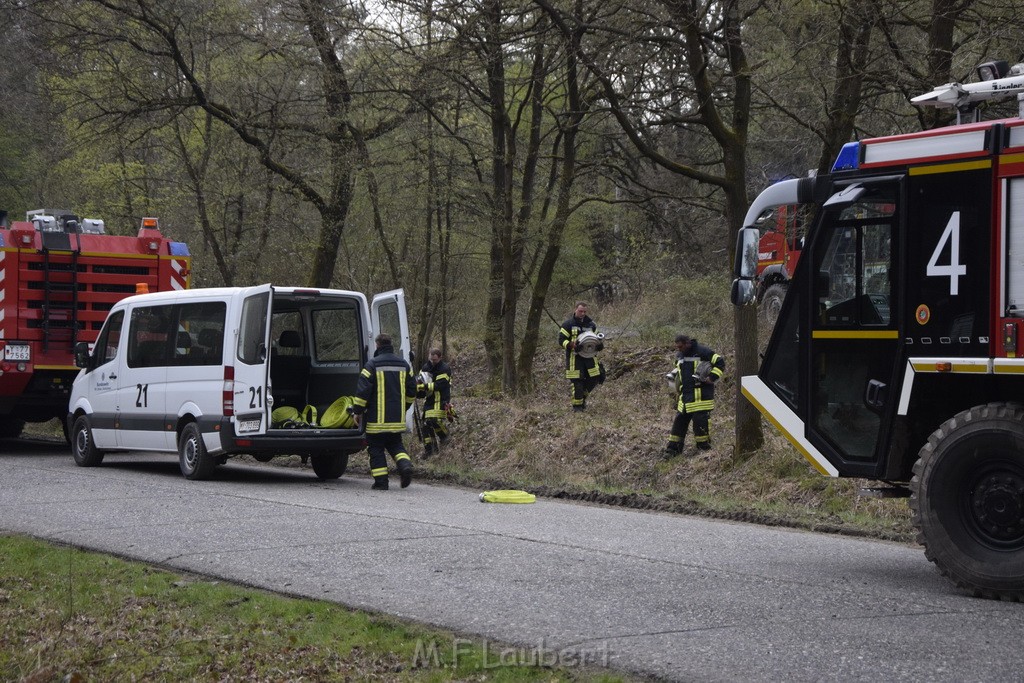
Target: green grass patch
(75,615)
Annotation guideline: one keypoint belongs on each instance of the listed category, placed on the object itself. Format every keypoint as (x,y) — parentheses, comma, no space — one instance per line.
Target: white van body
(199,372)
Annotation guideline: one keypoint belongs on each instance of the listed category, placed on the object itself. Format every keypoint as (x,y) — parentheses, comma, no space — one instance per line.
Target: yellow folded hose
(507,496)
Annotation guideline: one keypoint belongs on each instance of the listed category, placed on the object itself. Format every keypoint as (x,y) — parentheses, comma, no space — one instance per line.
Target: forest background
(496,159)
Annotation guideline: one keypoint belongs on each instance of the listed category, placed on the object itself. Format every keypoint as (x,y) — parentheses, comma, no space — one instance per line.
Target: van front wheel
(195,462)
(83,448)
(330,466)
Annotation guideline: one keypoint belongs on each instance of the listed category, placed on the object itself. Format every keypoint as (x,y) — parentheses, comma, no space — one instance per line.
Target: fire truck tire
(10,427)
(967,498)
(83,447)
(193,459)
(771,302)
(329,466)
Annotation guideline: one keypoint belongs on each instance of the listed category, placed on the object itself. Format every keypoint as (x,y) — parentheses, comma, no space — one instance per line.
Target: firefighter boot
(380,483)
(673,449)
(405,471)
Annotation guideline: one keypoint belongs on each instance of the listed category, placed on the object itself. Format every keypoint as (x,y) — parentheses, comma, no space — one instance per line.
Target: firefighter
(697,368)
(583,373)
(385,391)
(437,390)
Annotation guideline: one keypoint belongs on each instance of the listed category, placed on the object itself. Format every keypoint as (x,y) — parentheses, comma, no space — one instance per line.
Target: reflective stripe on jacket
(695,397)
(576,366)
(439,392)
(385,390)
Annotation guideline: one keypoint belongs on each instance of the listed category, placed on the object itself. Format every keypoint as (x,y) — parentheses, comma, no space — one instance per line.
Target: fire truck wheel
(329,466)
(83,448)
(771,302)
(10,427)
(967,496)
(193,459)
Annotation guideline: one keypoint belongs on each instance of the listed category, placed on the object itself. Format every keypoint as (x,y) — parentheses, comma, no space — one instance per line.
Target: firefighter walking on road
(435,385)
(697,368)
(385,391)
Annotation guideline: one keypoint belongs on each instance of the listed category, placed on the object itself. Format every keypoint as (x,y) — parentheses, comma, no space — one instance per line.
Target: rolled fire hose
(589,343)
(507,496)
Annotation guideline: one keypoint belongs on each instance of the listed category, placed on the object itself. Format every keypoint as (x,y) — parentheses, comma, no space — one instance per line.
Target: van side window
(286,334)
(253,334)
(109,339)
(336,335)
(150,333)
(200,333)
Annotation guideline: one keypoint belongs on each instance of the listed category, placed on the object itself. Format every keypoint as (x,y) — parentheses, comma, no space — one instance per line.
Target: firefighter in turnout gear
(697,368)
(583,373)
(385,390)
(437,390)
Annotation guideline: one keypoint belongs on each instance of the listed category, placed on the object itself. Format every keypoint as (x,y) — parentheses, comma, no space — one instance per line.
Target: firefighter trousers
(435,434)
(379,445)
(581,388)
(701,430)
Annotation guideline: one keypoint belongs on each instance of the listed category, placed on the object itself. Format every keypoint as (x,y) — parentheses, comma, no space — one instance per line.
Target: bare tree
(289,97)
(693,70)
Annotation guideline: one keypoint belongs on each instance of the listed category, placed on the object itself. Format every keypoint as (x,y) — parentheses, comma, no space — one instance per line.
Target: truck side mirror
(742,292)
(82,357)
(745,264)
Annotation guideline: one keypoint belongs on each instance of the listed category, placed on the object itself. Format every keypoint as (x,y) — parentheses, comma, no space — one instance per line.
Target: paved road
(668,596)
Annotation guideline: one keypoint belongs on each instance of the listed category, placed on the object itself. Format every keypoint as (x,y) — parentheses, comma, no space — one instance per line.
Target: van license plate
(248,425)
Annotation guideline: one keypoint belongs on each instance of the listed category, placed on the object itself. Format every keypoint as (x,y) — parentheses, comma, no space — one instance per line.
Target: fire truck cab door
(853,325)
(249,315)
(388,316)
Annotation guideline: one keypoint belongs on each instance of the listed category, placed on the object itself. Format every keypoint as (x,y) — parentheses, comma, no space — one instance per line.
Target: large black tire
(329,466)
(193,459)
(10,427)
(771,302)
(967,496)
(83,448)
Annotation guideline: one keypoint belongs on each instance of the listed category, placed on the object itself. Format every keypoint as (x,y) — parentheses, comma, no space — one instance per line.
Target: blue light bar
(848,158)
(179,249)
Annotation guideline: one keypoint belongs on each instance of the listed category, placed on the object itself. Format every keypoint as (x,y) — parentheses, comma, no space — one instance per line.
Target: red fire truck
(898,353)
(59,275)
(778,252)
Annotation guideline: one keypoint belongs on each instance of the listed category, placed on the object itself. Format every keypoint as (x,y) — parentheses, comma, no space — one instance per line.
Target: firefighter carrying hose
(583,371)
(435,385)
(697,368)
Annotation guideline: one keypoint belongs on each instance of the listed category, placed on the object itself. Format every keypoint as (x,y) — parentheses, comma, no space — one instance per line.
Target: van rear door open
(245,392)
(388,316)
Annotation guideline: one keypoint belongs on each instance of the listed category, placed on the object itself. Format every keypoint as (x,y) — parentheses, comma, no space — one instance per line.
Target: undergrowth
(613,452)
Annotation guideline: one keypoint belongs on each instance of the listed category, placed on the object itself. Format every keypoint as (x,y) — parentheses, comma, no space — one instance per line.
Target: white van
(202,371)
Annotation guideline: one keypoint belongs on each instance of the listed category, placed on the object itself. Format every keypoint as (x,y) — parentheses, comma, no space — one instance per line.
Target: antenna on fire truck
(999,80)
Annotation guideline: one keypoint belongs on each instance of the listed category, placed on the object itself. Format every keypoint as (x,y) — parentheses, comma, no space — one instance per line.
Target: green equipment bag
(337,416)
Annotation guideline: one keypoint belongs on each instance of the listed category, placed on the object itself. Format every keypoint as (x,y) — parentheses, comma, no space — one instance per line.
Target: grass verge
(71,615)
